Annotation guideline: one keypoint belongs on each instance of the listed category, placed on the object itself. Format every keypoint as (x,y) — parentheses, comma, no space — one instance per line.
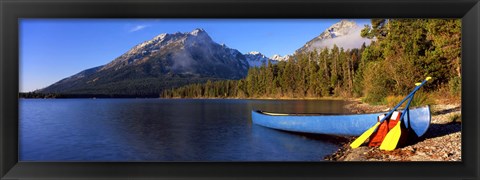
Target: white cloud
(138,28)
(349,41)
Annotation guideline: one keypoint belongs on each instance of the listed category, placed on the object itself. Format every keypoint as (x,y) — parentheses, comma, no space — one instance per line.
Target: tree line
(402,52)
(36,95)
(309,74)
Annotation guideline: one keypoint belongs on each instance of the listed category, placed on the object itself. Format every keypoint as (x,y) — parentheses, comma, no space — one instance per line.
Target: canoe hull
(341,125)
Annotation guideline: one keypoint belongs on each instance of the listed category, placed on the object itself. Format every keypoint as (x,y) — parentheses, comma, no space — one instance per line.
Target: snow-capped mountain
(166,61)
(345,33)
(280,58)
(256,59)
(185,48)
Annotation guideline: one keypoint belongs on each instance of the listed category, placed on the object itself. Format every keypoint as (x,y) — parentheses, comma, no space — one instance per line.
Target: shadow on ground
(435,130)
(446,111)
(438,130)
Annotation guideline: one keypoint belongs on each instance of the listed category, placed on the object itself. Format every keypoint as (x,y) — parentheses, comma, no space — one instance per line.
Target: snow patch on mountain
(277,57)
(198,36)
(197,31)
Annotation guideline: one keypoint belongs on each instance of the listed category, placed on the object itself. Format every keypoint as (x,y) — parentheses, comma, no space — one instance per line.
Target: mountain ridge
(165,59)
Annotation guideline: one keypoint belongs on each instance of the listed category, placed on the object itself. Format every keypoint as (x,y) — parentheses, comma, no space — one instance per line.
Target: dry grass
(444,96)
(419,99)
(391,101)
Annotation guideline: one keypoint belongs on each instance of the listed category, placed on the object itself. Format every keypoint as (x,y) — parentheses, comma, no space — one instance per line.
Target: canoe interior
(338,124)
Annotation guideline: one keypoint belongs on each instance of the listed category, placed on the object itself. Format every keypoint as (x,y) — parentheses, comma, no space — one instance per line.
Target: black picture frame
(11,11)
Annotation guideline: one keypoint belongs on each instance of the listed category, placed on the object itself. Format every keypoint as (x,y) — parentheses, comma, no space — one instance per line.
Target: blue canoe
(341,125)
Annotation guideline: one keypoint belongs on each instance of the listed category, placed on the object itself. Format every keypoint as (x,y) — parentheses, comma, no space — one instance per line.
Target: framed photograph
(239,89)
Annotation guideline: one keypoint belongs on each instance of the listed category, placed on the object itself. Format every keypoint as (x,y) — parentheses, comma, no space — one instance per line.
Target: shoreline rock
(442,141)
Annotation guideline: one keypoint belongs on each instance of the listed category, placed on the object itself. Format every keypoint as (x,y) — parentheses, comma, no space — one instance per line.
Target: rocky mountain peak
(198,31)
(154,45)
(160,36)
(341,28)
(198,36)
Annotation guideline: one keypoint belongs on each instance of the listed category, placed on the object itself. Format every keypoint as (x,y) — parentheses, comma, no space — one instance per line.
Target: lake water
(165,130)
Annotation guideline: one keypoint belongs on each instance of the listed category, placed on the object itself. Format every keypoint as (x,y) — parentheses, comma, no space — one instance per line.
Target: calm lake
(166,130)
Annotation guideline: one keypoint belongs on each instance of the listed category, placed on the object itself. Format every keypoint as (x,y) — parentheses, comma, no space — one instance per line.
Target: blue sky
(52,49)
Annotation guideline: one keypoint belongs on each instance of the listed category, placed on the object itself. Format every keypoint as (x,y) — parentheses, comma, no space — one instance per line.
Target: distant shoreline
(32,95)
(147,97)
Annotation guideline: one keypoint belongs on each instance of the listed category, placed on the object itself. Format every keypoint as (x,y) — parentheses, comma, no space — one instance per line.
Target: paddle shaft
(406,107)
(405,112)
(401,102)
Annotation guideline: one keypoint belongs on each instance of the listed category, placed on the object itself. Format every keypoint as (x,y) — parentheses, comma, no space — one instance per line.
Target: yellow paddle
(362,138)
(391,139)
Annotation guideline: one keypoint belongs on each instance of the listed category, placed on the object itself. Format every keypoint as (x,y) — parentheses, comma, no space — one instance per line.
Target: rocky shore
(442,141)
